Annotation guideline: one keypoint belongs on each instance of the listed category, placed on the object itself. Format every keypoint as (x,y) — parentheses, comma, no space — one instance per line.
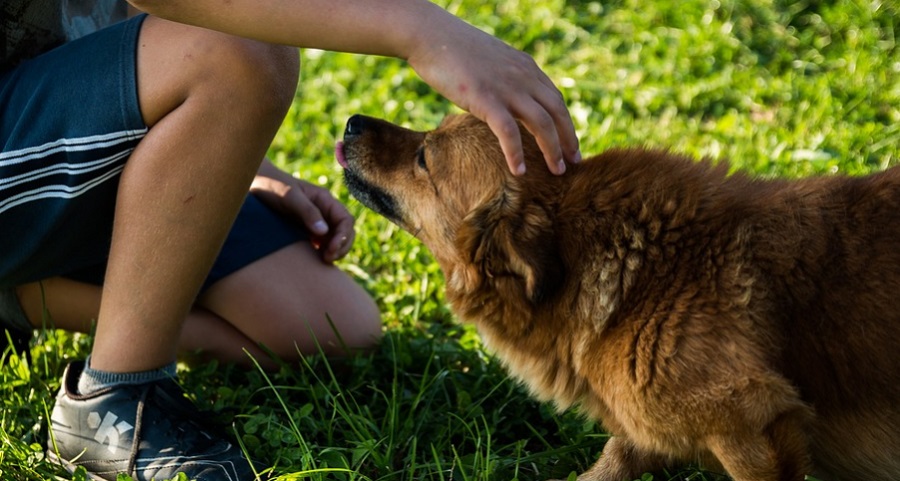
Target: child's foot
(146,431)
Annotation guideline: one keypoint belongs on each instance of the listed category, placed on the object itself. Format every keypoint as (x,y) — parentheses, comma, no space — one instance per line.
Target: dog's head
(452,189)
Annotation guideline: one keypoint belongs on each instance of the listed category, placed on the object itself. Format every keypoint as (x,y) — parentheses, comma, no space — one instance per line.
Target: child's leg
(213,103)
(267,286)
(288,302)
(272,286)
(283,301)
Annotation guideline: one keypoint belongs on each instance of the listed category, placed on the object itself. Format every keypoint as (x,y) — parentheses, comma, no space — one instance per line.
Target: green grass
(779,88)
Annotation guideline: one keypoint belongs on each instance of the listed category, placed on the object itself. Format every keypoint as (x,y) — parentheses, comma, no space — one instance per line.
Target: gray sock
(92,380)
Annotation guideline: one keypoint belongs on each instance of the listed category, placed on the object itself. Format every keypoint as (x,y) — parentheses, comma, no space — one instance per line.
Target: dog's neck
(524,337)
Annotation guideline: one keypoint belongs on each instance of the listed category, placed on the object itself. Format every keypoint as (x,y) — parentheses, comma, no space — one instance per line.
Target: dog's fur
(751,324)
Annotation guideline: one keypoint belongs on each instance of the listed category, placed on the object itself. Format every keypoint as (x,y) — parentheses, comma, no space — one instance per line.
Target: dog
(750,325)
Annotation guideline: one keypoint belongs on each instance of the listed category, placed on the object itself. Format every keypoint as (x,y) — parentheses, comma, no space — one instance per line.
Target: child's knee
(269,72)
(262,74)
(366,330)
(176,62)
(354,327)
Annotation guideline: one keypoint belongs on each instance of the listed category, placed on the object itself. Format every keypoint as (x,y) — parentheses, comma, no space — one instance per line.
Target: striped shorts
(69,120)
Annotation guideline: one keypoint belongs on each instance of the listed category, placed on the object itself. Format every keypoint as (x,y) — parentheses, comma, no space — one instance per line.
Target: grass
(780,88)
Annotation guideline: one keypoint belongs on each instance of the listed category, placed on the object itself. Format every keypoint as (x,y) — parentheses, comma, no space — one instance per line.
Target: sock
(92,380)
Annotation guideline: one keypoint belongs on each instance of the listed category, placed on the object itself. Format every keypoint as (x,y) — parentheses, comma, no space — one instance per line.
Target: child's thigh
(70,120)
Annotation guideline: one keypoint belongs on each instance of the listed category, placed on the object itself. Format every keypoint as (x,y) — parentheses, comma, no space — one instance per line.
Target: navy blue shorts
(69,119)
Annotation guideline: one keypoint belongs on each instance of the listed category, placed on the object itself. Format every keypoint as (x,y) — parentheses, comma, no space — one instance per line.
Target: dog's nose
(354,125)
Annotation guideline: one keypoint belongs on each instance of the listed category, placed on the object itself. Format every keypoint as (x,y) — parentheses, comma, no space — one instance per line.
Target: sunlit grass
(777,88)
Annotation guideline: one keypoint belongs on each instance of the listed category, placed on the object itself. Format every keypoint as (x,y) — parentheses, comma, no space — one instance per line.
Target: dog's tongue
(339,154)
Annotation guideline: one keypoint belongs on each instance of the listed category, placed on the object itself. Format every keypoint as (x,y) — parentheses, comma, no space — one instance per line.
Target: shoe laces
(163,404)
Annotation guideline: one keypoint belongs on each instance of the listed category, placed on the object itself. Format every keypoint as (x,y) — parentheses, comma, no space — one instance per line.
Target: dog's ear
(513,245)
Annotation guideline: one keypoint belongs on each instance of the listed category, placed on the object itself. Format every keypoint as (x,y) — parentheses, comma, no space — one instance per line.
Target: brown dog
(753,325)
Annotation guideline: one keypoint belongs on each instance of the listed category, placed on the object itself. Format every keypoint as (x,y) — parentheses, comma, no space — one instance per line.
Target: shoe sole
(68,466)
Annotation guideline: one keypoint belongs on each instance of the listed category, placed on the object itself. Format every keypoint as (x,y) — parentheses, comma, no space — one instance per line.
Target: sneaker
(148,431)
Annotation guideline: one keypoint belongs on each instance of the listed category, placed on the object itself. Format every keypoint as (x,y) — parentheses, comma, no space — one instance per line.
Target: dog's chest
(548,376)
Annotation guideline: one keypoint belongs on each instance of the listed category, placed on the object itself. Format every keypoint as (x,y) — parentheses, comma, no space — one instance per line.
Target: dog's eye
(420,158)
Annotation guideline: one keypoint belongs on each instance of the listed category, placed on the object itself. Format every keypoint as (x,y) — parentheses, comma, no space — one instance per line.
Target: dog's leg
(623,461)
(780,453)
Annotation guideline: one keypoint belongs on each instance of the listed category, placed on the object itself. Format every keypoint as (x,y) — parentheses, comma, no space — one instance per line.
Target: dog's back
(837,298)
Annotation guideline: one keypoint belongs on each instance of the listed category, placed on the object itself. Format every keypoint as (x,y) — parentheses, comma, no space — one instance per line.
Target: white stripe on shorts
(58,191)
(80,144)
(64,168)
(105,168)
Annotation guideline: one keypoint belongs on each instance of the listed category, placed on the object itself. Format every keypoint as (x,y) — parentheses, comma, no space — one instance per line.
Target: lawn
(776,87)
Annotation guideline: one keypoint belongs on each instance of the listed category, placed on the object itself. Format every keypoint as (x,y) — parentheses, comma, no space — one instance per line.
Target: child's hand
(329,222)
(498,84)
